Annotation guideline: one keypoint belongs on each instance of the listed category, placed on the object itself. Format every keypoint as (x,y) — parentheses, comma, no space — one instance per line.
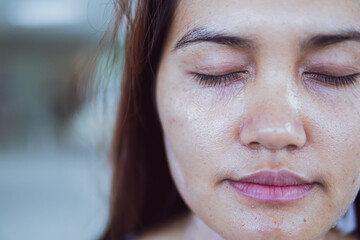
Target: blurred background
(55,129)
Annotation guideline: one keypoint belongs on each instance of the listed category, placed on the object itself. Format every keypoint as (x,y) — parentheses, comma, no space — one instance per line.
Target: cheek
(336,140)
(199,134)
(190,133)
(333,147)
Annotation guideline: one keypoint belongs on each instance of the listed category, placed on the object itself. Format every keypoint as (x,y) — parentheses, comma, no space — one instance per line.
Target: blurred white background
(54,171)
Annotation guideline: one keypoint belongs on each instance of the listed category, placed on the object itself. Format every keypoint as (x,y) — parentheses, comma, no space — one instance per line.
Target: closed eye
(219,80)
(337,81)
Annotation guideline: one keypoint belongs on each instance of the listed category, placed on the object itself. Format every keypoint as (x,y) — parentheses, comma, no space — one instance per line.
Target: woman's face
(260,107)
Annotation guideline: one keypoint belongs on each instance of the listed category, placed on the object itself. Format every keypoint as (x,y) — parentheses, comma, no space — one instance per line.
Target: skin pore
(249,86)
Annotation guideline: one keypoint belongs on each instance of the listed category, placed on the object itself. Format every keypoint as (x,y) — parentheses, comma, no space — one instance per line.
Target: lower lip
(267,193)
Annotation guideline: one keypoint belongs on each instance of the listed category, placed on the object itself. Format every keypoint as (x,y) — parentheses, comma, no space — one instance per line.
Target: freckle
(353,181)
(304,220)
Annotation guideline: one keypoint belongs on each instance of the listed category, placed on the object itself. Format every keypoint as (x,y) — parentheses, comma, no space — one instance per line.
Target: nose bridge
(273,106)
(272,120)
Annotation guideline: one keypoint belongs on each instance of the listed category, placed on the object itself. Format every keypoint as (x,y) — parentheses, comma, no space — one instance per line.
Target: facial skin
(274,109)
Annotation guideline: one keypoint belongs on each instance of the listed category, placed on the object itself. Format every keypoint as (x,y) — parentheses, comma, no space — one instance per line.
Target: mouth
(277,187)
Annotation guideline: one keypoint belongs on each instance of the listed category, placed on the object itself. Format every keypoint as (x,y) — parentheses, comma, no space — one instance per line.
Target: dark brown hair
(143,193)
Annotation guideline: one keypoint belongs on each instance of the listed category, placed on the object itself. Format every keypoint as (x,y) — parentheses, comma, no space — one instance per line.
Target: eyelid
(213,80)
(337,81)
(331,68)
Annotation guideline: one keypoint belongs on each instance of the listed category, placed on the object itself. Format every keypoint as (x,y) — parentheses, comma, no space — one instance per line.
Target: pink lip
(266,186)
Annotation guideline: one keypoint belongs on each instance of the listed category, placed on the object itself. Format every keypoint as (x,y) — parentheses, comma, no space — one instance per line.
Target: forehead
(286,18)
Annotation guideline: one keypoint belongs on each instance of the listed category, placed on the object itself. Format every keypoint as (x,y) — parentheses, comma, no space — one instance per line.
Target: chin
(274,224)
(276,234)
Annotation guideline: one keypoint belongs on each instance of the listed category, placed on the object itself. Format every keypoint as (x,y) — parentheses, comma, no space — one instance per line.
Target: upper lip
(277,178)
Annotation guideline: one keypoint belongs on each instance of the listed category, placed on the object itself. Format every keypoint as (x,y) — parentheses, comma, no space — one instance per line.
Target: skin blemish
(305,220)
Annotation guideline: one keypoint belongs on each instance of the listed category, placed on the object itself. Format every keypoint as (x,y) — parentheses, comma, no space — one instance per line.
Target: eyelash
(221,80)
(218,80)
(337,81)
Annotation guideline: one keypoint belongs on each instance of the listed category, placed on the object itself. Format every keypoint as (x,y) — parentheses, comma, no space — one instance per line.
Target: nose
(272,122)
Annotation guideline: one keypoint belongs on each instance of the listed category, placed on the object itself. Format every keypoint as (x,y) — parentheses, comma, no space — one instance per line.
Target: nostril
(257,145)
(254,145)
(291,147)
(273,134)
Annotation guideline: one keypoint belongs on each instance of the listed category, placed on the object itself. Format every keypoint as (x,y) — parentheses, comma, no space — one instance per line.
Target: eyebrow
(323,40)
(199,35)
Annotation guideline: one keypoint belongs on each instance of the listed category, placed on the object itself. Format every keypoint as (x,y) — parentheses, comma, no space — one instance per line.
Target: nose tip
(273,134)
